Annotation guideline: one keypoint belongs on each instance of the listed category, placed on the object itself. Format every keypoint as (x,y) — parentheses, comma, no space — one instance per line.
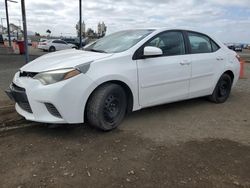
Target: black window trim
(63,42)
(59,42)
(139,52)
(218,47)
(202,34)
(55,41)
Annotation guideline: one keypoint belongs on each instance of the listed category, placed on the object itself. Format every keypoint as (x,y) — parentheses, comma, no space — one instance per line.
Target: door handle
(219,59)
(185,62)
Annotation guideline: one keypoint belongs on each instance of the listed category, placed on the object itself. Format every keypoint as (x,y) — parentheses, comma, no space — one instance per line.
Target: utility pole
(19,27)
(80,23)
(7,18)
(2,21)
(25,31)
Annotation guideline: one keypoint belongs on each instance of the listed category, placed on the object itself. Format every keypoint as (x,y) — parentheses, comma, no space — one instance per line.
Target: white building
(14,30)
(78,28)
(3,29)
(101,29)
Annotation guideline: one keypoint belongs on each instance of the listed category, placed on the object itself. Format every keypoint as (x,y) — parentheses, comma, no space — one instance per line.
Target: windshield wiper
(93,50)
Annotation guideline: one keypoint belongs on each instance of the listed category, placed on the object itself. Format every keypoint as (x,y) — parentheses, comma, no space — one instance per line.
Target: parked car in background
(55,45)
(41,43)
(122,72)
(235,47)
(29,42)
(245,46)
(75,41)
(238,48)
(231,46)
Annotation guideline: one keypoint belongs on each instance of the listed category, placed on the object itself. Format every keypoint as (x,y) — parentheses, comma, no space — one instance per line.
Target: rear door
(60,45)
(57,45)
(206,61)
(64,45)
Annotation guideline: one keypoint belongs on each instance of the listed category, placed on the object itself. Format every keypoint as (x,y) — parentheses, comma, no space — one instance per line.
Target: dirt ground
(189,144)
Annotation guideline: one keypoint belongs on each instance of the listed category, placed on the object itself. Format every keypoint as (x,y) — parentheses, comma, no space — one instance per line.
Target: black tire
(222,89)
(52,49)
(106,108)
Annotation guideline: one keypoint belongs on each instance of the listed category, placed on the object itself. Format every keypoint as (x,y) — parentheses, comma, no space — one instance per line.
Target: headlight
(54,76)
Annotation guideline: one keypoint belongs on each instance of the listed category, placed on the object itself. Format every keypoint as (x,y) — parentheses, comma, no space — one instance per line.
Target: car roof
(54,39)
(161,29)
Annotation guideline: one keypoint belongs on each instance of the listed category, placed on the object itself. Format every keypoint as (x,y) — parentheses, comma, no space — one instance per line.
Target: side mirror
(152,51)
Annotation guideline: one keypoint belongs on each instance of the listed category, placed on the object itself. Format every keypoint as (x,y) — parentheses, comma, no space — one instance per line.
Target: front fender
(116,77)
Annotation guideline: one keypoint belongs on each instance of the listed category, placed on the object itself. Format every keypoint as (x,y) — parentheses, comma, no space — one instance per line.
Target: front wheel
(107,107)
(222,89)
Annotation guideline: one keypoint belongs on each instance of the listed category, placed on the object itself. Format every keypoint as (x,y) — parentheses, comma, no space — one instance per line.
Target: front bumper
(62,102)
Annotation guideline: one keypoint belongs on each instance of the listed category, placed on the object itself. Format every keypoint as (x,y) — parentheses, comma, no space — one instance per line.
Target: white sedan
(123,72)
(55,45)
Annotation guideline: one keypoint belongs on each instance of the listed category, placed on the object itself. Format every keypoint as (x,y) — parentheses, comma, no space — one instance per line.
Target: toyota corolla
(123,72)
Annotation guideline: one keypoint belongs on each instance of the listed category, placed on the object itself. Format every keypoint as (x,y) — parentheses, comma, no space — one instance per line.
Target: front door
(166,78)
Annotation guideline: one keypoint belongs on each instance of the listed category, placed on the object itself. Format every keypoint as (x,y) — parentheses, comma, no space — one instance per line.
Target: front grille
(52,110)
(25,106)
(20,97)
(27,74)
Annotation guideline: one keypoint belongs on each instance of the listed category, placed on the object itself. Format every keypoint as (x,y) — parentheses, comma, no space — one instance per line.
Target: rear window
(201,43)
(69,40)
(59,42)
(215,46)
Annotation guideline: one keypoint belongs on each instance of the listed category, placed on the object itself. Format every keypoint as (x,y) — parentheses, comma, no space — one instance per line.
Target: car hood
(62,59)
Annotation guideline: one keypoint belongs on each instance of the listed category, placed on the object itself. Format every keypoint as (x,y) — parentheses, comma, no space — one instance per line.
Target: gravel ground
(192,144)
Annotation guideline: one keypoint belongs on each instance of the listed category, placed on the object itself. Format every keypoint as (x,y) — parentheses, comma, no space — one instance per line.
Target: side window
(199,43)
(171,43)
(215,46)
(59,42)
(56,41)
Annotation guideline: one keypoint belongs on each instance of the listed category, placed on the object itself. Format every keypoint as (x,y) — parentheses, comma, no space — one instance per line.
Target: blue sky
(228,21)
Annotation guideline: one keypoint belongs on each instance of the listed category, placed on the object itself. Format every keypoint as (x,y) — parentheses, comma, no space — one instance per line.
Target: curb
(8,128)
(16,124)
(8,106)
(9,119)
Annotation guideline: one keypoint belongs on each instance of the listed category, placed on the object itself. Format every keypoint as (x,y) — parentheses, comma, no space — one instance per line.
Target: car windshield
(119,41)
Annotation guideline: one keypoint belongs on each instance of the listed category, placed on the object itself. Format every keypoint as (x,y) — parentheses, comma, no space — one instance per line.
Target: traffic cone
(242,62)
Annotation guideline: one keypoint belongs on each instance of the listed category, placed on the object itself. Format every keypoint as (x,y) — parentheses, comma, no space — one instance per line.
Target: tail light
(238,57)
(43,43)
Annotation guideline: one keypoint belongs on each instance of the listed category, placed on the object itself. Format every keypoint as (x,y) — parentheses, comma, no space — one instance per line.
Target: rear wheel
(107,107)
(52,49)
(222,89)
